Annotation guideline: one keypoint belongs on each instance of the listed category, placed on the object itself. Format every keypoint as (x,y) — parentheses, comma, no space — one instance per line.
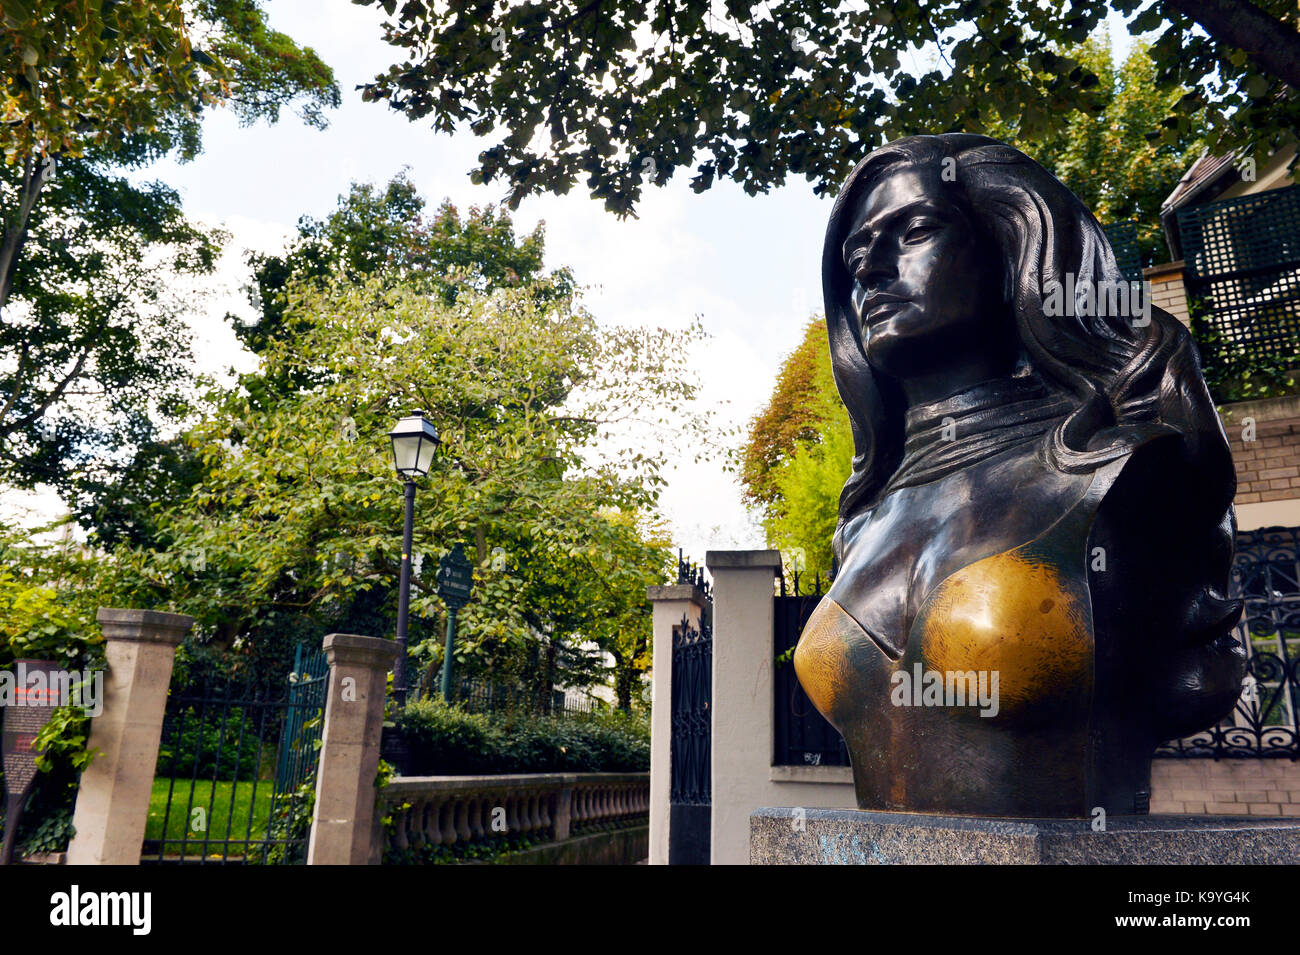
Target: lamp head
(414,441)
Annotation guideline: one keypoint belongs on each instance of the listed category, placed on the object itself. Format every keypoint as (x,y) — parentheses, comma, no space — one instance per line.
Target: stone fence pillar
(344,820)
(671,603)
(743,618)
(113,800)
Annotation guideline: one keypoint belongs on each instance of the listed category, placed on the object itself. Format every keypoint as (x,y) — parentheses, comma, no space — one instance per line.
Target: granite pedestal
(853,837)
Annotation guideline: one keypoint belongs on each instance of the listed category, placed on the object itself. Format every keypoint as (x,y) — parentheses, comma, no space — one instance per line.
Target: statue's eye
(920,232)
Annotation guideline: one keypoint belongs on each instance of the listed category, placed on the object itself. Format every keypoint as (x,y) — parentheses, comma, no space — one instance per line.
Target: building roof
(1203,174)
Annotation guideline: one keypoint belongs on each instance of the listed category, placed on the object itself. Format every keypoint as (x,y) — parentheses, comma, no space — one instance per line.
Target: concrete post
(113,799)
(343,828)
(743,618)
(671,603)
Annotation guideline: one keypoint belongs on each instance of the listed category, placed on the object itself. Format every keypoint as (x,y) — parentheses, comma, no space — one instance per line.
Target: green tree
(298,512)
(93,349)
(380,232)
(622,93)
(797,454)
(1105,158)
(789,417)
(387,233)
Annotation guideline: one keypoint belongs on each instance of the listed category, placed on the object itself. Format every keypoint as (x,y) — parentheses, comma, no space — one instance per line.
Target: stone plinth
(854,837)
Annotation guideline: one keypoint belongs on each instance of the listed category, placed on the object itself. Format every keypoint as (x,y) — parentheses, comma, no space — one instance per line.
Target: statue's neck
(946,382)
(974,424)
(976,408)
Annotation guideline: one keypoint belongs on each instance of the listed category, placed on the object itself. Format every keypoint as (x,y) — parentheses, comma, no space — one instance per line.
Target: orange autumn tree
(797,454)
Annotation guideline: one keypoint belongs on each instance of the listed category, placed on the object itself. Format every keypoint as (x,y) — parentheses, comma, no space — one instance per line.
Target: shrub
(446,740)
(621,744)
(547,745)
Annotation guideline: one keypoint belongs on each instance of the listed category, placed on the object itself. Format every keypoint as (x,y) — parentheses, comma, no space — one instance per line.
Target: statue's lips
(883,309)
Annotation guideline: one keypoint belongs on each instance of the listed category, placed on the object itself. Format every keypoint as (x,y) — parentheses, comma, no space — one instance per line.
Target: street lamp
(414,441)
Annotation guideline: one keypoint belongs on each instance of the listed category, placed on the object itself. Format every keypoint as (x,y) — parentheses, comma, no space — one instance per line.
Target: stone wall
(1237,787)
(619,847)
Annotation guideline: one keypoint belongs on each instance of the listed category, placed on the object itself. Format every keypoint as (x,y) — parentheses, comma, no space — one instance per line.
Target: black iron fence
(691,751)
(1266,574)
(690,573)
(236,764)
(801,735)
(483,696)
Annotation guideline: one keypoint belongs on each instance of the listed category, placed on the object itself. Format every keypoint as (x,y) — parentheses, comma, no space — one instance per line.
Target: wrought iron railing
(232,756)
(801,736)
(300,745)
(1264,722)
(797,583)
(689,573)
(482,696)
(692,690)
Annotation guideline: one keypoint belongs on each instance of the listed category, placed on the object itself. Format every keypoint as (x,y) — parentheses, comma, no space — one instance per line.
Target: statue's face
(928,286)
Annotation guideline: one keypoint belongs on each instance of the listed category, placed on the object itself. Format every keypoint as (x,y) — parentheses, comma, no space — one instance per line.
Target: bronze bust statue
(1034,544)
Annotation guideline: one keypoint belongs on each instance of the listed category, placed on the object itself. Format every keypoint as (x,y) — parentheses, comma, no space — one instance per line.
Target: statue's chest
(897,554)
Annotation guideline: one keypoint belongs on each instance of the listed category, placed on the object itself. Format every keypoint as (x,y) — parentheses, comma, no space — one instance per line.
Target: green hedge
(446,740)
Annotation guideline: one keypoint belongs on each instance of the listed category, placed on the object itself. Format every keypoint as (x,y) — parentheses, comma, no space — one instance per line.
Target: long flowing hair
(1117,373)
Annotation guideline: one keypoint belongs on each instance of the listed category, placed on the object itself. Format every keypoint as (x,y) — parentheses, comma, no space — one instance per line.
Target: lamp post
(414,441)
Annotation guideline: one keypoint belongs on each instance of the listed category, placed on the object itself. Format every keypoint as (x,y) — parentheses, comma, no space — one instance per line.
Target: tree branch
(24,352)
(1272,44)
(52,397)
(15,231)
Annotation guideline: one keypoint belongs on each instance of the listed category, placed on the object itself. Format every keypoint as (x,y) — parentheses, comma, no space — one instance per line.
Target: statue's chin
(1200,690)
(898,351)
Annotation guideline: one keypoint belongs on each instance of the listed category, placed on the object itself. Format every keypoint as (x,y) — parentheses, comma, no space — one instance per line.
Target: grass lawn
(216,812)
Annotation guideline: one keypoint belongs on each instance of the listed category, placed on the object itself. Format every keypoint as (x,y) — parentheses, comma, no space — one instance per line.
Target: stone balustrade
(442,810)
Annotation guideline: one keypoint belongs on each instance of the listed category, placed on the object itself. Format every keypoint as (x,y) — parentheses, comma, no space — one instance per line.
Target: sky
(747,266)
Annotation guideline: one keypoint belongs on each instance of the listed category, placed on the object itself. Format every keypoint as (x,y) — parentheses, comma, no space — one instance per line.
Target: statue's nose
(876,272)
